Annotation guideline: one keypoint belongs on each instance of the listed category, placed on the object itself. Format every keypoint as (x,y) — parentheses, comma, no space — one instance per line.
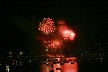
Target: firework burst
(53,44)
(47,26)
(68,35)
(55,39)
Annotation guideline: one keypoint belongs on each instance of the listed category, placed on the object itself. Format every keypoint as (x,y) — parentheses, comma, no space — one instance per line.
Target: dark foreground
(83,66)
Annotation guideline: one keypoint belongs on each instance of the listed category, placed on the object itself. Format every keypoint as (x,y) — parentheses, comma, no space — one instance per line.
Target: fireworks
(62,28)
(53,44)
(47,26)
(54,39)
(68,35)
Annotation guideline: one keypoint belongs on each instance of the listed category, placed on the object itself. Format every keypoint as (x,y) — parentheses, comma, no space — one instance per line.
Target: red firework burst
(47,26)
(68,35)
(53,44)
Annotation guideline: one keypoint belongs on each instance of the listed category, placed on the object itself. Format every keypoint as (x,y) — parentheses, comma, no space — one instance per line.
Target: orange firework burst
(68,35)
(47,26)
(53,44)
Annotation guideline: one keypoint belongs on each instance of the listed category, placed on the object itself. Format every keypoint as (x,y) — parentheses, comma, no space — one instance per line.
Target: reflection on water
(68,67)
(64,65)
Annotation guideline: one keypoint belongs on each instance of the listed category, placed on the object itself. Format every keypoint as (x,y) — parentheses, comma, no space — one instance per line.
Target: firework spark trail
(53,44)
(47,26)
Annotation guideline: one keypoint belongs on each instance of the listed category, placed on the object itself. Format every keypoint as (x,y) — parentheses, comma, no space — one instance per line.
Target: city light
(7,68)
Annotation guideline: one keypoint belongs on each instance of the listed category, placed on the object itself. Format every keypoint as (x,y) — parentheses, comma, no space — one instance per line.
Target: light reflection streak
(67,67)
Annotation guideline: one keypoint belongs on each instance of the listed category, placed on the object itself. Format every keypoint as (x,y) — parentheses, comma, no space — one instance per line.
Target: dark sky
(19,22)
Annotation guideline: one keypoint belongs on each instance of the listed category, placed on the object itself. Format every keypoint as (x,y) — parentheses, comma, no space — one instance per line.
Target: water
(84,65)
(80,65)
(66,67)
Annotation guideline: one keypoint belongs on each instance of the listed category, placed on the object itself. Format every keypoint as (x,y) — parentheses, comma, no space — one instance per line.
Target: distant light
(10,54)
(29,60)
(46,50)
(101,58)
(7,68)
(21,53)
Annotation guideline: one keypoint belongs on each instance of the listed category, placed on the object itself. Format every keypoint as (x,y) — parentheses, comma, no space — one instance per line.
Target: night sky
(19,22)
